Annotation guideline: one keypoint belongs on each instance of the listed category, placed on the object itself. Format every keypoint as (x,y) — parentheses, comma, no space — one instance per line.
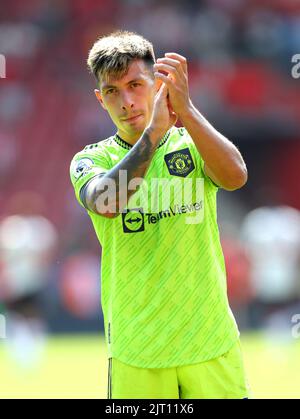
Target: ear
(99,98)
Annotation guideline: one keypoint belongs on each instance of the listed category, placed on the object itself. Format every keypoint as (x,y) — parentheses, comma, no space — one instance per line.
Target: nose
(127,101)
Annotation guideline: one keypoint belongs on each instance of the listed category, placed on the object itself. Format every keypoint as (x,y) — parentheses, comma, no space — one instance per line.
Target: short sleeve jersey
(163,276)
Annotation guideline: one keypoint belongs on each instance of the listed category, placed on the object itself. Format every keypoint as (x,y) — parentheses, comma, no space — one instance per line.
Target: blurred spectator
(19,39)
(27,242)
(239,286)
(16,103)
(79,284)
(271,237)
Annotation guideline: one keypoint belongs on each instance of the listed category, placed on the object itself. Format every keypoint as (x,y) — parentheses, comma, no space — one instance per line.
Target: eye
(135,84)
(110,91)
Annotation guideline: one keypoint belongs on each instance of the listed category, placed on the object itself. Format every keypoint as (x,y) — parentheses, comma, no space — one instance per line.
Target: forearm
(109,194)
(222,159)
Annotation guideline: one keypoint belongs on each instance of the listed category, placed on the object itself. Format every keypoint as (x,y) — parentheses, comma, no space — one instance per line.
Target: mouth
(132,119)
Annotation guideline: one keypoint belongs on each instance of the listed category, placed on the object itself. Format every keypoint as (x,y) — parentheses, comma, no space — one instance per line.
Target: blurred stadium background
(240,61)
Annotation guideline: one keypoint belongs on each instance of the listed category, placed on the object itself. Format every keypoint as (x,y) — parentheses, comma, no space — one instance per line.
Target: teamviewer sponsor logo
(174,211)
(133,220)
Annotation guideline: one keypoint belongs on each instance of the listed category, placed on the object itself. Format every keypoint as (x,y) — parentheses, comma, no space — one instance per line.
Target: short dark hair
(111,54)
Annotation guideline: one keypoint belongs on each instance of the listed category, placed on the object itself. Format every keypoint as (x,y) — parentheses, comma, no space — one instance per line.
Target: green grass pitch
(76,367)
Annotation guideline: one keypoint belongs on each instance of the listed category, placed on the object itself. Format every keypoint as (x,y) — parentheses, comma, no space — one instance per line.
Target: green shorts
(221,378)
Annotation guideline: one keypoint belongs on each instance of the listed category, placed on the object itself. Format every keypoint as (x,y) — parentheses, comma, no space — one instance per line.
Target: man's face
(129,100)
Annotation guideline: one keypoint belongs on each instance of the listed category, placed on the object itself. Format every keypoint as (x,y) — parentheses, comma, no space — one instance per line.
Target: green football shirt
(163,278)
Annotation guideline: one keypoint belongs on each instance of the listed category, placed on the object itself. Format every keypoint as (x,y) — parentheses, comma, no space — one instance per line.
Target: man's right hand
(163,116)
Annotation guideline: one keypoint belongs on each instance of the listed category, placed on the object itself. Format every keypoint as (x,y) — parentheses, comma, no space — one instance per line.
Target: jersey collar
(128,146)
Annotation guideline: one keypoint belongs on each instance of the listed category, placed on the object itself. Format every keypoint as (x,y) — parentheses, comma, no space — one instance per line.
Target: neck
(129,139)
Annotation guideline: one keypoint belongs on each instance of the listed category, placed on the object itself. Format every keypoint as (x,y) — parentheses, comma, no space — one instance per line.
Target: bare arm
(223,162)
(108,194)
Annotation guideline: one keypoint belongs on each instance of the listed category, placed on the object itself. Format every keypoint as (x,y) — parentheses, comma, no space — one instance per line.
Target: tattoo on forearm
(135,163)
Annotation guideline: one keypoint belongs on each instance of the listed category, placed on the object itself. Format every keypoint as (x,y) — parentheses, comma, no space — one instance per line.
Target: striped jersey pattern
(163,278)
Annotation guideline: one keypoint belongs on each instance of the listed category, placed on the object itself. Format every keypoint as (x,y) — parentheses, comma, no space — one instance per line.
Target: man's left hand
(175,66)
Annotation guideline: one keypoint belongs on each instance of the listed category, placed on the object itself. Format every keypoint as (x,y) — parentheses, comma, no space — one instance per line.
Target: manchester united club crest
(180,162)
